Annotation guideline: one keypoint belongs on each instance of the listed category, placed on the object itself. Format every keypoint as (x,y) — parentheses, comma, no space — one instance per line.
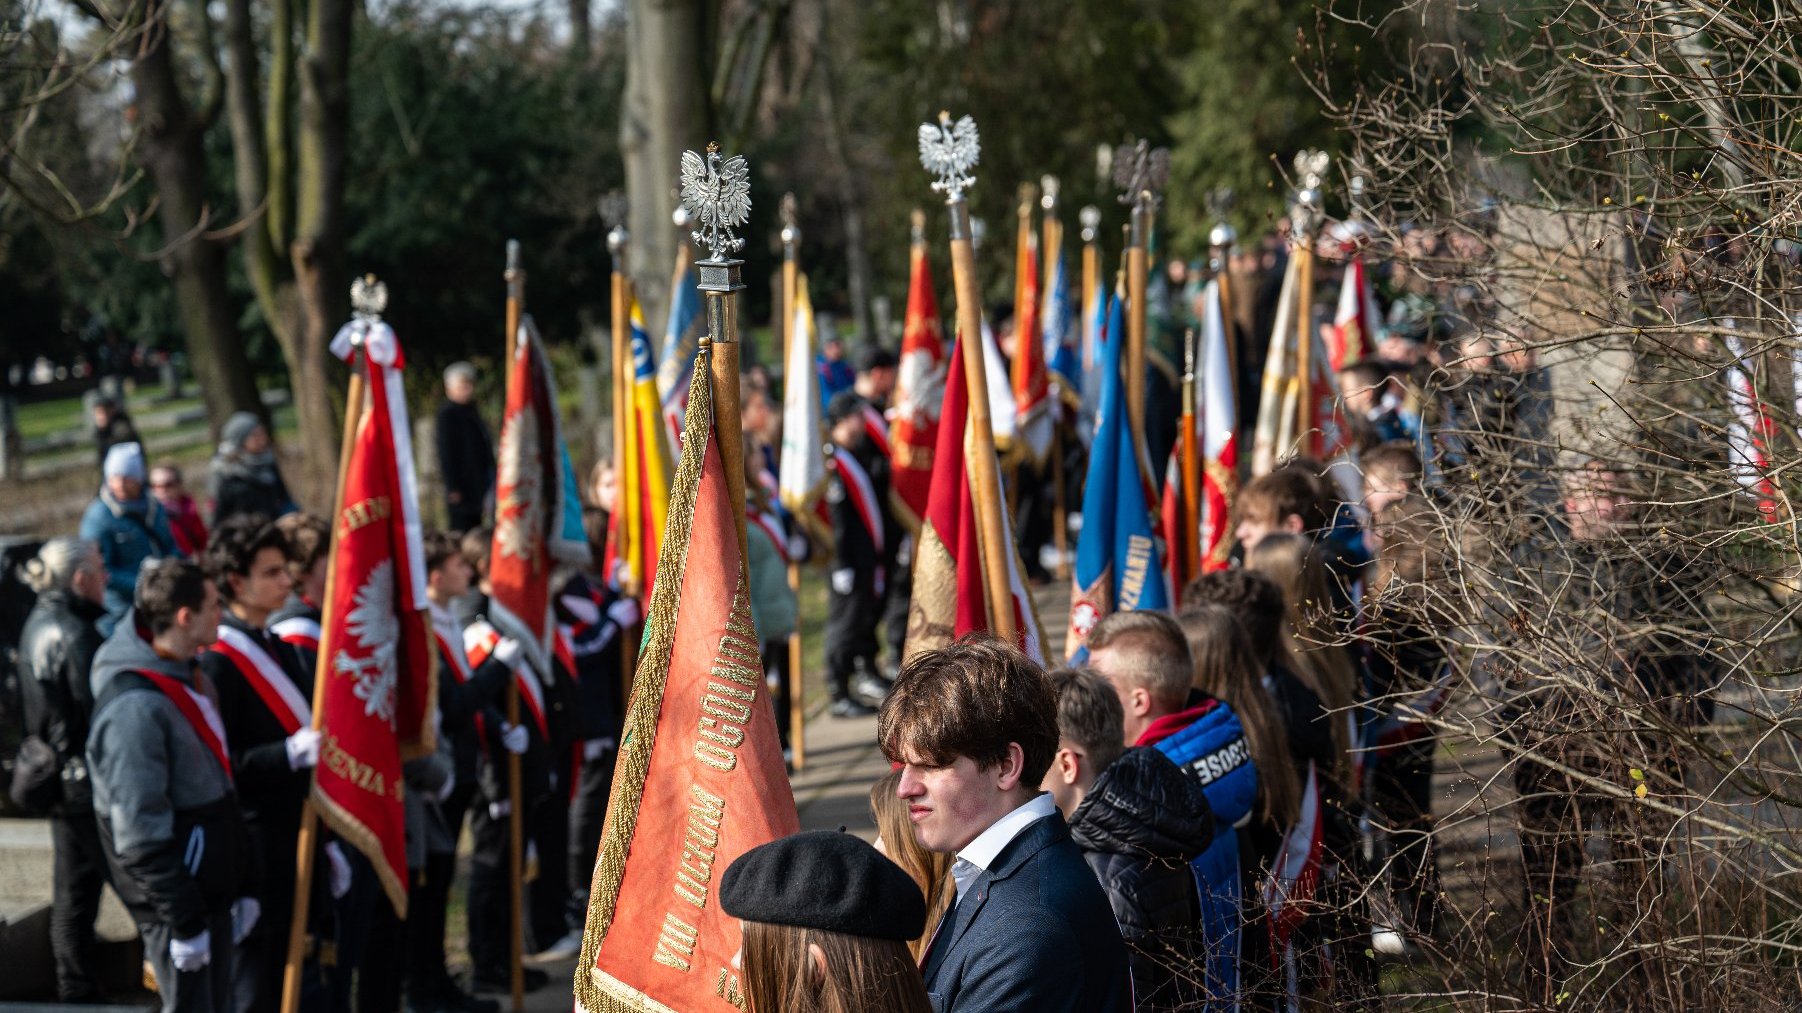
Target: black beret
(824,879)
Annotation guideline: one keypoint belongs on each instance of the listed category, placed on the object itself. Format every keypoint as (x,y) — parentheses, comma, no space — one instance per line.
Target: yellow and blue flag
(681,342)
(645,460)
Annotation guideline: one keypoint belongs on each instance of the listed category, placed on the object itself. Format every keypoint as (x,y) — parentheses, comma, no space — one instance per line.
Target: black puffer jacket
(56,650)
(1140,826)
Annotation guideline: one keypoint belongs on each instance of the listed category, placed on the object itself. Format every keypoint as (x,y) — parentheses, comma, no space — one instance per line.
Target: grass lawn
(45,418)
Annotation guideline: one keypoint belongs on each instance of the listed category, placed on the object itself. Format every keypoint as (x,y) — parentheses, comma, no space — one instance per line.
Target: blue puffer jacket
(128,533)
(1208,743)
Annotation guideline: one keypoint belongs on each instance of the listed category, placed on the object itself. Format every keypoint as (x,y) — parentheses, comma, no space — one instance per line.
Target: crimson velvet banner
(375,701)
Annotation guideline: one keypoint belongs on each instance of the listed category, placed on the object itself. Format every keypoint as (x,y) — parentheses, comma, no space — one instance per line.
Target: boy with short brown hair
(974,727)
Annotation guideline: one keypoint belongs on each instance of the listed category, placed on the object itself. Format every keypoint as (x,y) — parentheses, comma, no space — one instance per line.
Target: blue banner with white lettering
(1118,563)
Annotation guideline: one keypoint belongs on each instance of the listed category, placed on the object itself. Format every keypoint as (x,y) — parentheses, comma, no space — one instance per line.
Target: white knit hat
(124,460)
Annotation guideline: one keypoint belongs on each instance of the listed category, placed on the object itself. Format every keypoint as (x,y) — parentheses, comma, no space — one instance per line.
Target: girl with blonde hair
(895,838)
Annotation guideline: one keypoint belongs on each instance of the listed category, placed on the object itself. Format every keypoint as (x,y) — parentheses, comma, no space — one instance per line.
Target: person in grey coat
(170,821)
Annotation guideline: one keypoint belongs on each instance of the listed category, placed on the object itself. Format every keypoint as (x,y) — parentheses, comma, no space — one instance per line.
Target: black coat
(56,650)
(1139,827)
(1034,932)
(465,452)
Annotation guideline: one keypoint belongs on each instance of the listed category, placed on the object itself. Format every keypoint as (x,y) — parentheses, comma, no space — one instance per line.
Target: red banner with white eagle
(374,698)
(919,391)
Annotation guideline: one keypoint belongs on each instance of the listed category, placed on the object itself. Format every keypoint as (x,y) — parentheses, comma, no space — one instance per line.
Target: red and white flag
(374,703)
(1750,433)
(1356,319)
(700,774)
(919,393)
(533,499)
(949,596)
(1294,878)
(1219,436)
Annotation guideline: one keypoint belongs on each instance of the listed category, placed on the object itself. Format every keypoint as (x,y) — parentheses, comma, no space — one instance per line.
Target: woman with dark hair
(826,925)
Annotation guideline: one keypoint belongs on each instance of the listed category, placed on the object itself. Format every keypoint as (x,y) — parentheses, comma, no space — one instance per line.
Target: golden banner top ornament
(949,151)
(716,192)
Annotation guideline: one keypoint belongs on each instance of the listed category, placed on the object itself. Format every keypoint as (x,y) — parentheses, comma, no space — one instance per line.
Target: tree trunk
(321,277)
(857,254)
(268,273)
(581,31)
(665,110)
(171,153)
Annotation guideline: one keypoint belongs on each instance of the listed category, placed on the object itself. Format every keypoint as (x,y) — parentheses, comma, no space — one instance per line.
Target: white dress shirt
(978,855)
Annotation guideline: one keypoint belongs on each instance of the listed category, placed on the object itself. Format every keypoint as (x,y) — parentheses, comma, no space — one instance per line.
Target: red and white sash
(200,713)
(479,639)
(449,635)
(265,675)
(772,527)
(863,494)
(301,631)
(876,427)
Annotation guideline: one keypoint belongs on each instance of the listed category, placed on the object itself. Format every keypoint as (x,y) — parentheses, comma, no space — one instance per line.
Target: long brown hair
(862,975)
(1309,630)
(1227,667)
(930,869)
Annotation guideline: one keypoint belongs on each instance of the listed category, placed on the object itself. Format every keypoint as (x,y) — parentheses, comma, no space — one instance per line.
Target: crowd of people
(1224,805)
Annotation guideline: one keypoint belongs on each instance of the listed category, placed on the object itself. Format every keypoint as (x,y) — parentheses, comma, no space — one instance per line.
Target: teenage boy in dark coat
(974,727)
(1139,821)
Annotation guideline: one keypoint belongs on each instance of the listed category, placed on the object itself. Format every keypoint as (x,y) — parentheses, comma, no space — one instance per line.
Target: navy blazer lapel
(1035,838)
(974,898)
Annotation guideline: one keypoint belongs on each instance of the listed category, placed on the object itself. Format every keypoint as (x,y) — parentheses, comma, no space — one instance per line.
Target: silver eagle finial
(949,151)
(1141,172)
(716,193)
(368,298)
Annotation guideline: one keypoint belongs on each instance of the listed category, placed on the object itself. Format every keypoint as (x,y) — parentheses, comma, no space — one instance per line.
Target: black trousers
(895,604)
(76,881)
(1401,787)
(379,977)
(208,990)
(775,677)
(587,814)
(547,896)
(487,905)
(851,619)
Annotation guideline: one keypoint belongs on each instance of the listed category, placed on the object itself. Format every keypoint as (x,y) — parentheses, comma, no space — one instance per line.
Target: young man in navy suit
(974,727)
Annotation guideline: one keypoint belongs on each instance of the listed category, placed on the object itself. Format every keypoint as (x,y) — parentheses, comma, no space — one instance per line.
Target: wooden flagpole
(307,843)
(622,400)
(1305,218)
(955,151)
(1140,171)
(515,277)
(1050,248)
(1190,444)
(791,287)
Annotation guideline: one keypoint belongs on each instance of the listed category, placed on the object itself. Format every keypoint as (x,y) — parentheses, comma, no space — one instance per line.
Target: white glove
(191,954)
(245,912)
(594,749)
(303,749)
(624,613)
(340,871)
(506,651)
(844,580)
(450,785)
(514,738)
(498,811)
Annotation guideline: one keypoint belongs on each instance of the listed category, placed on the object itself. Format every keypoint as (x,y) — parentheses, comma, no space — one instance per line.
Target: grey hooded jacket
(169,818)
